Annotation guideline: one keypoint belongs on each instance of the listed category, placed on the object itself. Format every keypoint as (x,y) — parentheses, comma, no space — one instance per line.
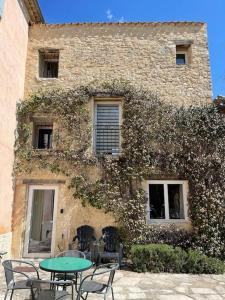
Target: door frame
(30,193)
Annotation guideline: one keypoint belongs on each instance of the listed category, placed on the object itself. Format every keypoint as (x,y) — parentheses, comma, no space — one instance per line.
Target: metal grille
(107,129)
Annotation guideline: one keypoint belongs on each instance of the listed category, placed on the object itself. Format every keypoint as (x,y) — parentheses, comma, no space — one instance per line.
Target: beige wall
(13,49)
(74,213)
(142,53)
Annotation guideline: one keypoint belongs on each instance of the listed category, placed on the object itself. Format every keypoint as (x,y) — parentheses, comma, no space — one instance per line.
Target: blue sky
(210,11)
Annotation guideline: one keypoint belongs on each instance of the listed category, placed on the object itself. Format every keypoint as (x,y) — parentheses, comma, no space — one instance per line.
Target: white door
(40,225)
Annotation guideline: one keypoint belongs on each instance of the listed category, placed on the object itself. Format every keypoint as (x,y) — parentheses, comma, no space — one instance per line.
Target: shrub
(165,258)
(170,235)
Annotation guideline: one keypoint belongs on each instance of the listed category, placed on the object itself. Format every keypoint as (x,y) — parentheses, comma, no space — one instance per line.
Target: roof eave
(34,11)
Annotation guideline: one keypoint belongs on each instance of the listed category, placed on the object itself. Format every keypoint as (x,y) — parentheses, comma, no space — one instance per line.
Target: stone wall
(143,53)
(13,49)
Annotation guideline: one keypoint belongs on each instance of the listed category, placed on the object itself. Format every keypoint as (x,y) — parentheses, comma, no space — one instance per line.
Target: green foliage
(158,140)
(157,258)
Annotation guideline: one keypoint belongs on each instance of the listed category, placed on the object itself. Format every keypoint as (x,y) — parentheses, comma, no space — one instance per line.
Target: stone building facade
(170,59)
(15,17)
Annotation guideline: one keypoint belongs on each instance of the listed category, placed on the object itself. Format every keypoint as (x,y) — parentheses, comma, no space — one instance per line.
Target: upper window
(167,200)
(183,54)
(43,136)
(181,59)
(48,63)
(107,127)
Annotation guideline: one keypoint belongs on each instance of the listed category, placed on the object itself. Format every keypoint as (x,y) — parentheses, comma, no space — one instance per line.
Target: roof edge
(125,23)
(34,11)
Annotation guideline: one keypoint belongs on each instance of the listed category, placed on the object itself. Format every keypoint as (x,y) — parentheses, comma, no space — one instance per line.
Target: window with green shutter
(107,128)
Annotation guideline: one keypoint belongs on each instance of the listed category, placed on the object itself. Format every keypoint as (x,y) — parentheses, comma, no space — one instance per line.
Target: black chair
(112,248)
(19,267)
(85,236)
(90,286)
(49,289)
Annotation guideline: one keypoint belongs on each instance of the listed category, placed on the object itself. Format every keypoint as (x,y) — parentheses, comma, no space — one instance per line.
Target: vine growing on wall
(158,140)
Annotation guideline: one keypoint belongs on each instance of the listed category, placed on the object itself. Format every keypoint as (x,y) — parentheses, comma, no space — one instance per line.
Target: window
(107,128)
(181,59)
(48,63)
(43,136)
(167,200)
(183,54)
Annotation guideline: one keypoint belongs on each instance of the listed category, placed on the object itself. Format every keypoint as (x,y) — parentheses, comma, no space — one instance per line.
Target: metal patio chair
(90,286)
(86,238)
(2,254)
(49,289)
(69,276)
(112,246)
(19,267)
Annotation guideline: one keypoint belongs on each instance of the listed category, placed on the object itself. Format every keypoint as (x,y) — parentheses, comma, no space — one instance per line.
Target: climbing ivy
(159,140)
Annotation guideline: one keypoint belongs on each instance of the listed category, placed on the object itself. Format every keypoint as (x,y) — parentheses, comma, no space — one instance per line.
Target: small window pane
(175,196)
(44,138)
(157,202)
(180,59)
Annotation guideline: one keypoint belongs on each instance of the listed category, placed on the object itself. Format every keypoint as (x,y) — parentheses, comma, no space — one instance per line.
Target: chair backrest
(107,268)
(71,253)
(85,235)
(111,238)
(8,268)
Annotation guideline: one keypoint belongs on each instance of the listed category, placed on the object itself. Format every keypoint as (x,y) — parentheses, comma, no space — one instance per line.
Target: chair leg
(11,295)
(86,296)
(6,294)
(112,293)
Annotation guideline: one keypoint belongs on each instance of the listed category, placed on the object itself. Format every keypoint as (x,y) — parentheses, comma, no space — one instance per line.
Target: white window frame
(30,193)
(165,184)
(186,57)
(109,101)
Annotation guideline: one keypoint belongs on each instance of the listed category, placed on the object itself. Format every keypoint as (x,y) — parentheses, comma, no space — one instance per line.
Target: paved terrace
(130,285)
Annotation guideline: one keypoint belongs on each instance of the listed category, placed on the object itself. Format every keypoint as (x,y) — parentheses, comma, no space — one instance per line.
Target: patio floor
(130,285)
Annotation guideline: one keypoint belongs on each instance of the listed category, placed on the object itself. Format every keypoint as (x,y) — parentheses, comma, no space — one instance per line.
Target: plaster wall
(13,50)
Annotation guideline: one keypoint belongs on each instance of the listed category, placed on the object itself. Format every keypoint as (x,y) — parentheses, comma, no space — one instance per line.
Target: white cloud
(121,20)
(109,15)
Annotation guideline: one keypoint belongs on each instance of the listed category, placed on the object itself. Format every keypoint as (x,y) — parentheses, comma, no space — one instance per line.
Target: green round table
(65,265)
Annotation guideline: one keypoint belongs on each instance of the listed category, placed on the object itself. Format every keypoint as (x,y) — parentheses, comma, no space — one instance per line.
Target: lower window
(167,200)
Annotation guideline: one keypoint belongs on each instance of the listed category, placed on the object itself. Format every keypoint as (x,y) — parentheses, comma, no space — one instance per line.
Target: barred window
(107,128)
(48,63)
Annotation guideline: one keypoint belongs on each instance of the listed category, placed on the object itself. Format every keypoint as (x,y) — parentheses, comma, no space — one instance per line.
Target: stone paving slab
(138,286)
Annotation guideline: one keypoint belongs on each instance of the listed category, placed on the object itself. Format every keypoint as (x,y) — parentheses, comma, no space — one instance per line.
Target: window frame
(106,101)
(28,215)
(37,127)
(42,60)
(165,184)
